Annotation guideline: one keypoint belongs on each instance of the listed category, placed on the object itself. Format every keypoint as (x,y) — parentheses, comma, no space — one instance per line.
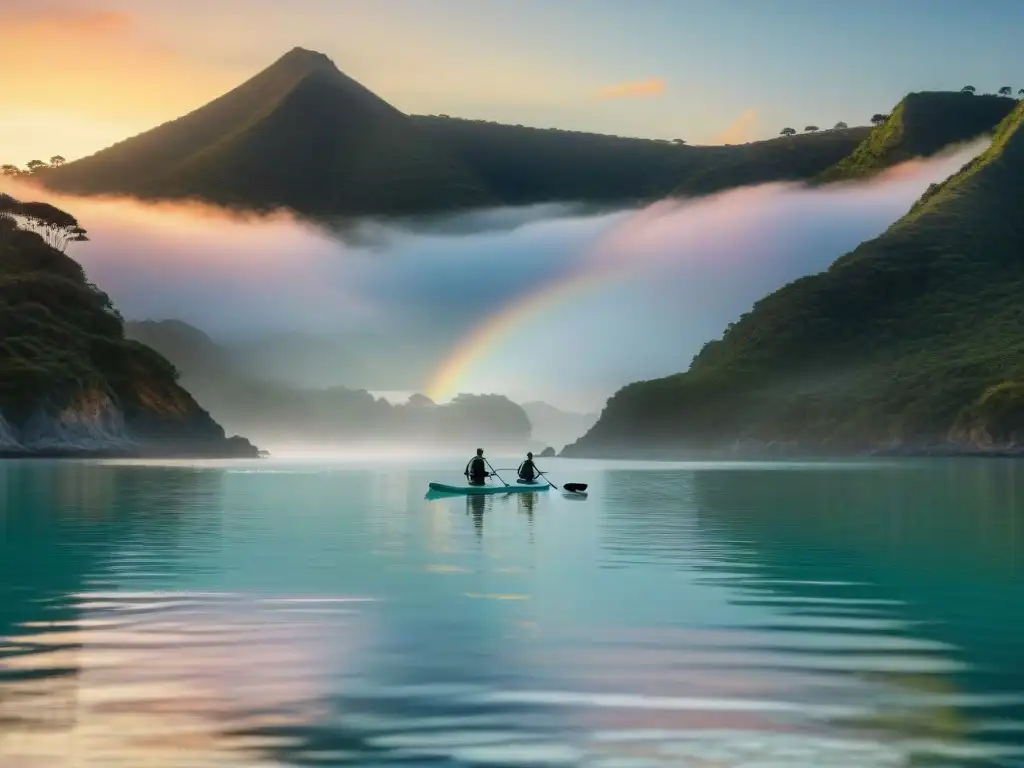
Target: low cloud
(640,89)
(741,130)
(643,288)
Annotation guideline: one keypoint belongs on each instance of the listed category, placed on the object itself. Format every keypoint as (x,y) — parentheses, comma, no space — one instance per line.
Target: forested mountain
(914,341)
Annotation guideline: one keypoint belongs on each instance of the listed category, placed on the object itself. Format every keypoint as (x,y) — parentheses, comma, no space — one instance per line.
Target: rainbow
(443,384)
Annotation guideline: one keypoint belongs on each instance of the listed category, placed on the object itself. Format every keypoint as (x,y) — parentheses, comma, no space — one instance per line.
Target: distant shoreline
(728,455)
(71,454)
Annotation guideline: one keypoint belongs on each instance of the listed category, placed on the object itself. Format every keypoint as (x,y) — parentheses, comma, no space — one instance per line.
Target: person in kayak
(476,470)
(528,470)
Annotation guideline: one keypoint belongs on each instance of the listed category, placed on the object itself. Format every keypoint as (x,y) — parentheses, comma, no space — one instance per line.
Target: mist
(384,305)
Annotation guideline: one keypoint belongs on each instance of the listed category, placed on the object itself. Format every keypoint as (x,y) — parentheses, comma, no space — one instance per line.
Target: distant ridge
(303,135)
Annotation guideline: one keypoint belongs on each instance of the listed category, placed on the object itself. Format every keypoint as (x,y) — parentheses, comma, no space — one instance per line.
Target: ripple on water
(677,621)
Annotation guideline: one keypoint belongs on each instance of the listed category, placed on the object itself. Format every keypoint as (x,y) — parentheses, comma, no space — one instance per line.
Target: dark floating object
(575,487)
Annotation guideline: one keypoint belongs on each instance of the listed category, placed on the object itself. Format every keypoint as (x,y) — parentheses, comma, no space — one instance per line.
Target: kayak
(470,490)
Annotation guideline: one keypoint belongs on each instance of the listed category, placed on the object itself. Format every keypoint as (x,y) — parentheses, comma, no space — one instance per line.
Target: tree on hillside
(52,224)
(678,141)
(878,118)
(57,161)
(34,165)
(840,126)
(787,132)
(1006,91)
(811,128)
(968,89)
(10,170)
(1020,92)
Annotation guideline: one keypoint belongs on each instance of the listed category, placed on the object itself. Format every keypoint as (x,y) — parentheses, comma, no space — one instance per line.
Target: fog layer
(631,294)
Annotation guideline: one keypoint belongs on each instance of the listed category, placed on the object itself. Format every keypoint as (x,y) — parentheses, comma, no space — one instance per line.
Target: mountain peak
(307,60)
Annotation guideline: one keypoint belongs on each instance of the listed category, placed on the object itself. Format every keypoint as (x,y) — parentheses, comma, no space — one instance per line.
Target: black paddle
(548,481)
(495,472)
(570,487)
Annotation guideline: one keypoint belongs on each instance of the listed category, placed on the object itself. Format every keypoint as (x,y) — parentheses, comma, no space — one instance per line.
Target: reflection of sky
(633,295)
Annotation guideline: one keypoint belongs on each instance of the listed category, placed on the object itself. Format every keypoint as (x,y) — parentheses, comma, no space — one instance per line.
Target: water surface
(325,613)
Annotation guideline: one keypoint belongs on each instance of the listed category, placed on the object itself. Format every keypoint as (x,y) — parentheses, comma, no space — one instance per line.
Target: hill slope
(300,134)
(69,380)
(914,341)
(921,125)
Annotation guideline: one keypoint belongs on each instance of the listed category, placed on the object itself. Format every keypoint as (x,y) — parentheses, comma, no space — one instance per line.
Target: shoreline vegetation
(70,381)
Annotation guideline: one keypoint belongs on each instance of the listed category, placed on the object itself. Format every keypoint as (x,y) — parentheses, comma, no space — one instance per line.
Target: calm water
(288,614)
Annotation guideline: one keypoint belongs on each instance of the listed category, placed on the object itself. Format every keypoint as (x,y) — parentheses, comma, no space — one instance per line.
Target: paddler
(528,470)
(476,469)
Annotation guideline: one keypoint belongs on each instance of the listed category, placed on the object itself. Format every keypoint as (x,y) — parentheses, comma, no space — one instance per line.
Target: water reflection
(322,615)
(476,506)
(898,589)
(932,552)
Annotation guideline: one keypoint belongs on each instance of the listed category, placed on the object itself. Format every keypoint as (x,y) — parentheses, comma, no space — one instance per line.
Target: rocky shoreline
(93,426)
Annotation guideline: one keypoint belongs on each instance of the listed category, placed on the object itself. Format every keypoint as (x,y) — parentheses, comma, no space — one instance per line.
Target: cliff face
(70,382)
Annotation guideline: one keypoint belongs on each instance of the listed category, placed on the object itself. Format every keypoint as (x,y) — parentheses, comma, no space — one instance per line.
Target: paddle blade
(575,487)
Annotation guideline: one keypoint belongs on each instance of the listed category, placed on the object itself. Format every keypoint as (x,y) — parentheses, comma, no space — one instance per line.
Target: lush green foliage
(921,125)
(248,404)
(898,342)
(302,135)
(62,340)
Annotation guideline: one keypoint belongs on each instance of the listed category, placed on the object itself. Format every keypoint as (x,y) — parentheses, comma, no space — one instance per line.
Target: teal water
(325,613)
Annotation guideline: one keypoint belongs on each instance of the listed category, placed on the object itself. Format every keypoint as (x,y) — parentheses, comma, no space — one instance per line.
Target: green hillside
(69,379)
(921,125)
(300,134)
(914,341)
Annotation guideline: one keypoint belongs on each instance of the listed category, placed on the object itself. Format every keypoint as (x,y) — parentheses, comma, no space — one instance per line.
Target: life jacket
(476,470)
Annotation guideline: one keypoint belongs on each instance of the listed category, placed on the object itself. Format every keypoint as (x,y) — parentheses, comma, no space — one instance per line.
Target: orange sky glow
(97,78)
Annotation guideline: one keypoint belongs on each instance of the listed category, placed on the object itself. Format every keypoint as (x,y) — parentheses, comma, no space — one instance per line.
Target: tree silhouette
(52,224)
(811,128)
(678,141)
(57,161)
(787,132)
(968,89)
(1006,91)
(10,170)
(878,118)
(840,126)
(1020,92)
(34,165)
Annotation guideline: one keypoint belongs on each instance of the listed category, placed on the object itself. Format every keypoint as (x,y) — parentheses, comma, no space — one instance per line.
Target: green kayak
(478,489)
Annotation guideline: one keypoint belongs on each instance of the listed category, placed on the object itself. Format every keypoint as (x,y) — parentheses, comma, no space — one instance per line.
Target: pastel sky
(79,75)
